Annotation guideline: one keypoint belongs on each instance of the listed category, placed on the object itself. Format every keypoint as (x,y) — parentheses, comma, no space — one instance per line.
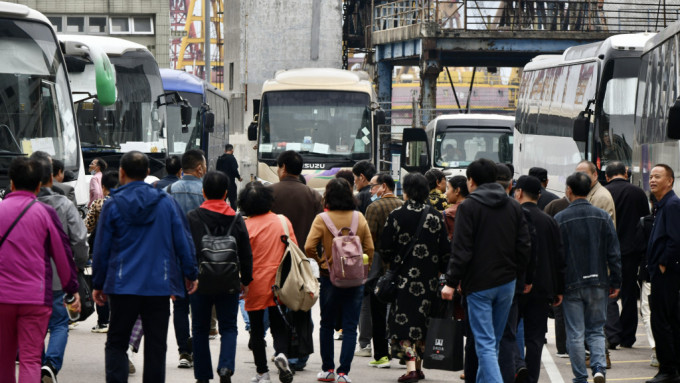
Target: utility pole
(206,39)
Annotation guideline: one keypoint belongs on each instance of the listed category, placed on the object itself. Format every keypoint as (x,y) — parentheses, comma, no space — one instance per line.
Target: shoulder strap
(207,229)
(4,237)
(170,188)
(355,222)
(329,224)
(284,224)
(236,217)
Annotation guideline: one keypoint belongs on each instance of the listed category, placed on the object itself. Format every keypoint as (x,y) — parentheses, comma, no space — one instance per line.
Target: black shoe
(202,381)
(613,346)
(225,375)
(664,377)
(521,375)
(48,374)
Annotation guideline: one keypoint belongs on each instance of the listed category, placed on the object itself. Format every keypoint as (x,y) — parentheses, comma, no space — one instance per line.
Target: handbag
(444,342)
(386,286)
(87,305)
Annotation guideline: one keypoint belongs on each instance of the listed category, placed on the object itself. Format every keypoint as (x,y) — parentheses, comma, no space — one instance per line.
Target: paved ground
(84,361)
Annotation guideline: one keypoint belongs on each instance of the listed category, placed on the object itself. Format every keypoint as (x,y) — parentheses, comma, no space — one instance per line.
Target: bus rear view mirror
(209,121)
(581,125)
(252,130)
(379,118)
(415,154)
(673,128)
(186,114)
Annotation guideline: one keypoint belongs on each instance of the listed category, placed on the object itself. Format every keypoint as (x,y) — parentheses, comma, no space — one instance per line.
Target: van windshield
(457,149)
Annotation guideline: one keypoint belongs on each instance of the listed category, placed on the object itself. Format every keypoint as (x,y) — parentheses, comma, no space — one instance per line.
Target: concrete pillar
(429,71)
(385,83)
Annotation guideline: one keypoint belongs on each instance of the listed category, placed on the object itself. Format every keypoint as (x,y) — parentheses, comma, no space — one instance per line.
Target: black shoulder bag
(386,287)
(4,237)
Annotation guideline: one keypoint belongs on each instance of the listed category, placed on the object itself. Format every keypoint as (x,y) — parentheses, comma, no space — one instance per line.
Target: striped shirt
(376,215)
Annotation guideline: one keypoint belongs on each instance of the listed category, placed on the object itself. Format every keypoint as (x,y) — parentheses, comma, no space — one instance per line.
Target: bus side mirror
(379,118)
(673,128)
(209,121)
(415,153)
(186,114)
(252,130)
(581,125)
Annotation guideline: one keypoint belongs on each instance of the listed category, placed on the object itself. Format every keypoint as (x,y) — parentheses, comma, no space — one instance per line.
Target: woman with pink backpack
(344,235)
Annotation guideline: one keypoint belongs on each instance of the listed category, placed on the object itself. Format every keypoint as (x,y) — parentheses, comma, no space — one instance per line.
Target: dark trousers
(471,361)
(180,319)
(102,314)
(560,330)
(534,310)
(155,314)
(508,353)
(280,333)
(379,323)
(621,328)
(663,302)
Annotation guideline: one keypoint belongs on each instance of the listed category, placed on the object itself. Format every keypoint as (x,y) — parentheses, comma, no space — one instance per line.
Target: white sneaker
(326,376)
(285,374)
(100,328)
(337,335)
(364,351)
(264,378)
(131,358)
(342,378)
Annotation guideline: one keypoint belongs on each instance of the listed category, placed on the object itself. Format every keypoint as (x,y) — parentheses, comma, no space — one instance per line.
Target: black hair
(101,163)
(173,165)
(228,147)
(292,160)
(482,171)
(579,183)
(616,168)
(386,178)
(511,167)
(434,176)
(135,165)
(347,175)
(57,165)
(669,171)
(215,184)
(192,158)
(45,162)
(255,199)
(416,187)
(110,179)
(459,182)
(364,167)
(25,173)
(339,195)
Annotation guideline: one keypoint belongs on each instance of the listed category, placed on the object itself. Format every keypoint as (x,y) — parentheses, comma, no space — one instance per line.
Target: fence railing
(620,16)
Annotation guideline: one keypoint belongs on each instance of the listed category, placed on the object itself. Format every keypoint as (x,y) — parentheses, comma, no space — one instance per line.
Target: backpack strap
(284,238)
(236,217)
(329,224)
(170,189)
(207,229)
(355,222)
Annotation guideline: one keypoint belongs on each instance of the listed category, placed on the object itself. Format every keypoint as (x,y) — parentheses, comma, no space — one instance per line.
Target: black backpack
(218,266)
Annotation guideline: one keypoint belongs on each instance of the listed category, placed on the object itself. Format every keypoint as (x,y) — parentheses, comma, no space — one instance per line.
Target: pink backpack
(348,268)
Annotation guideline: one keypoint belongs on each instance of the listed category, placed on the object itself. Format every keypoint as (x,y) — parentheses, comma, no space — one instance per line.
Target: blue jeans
(58,327)
(488,312)
(585,313)
(226,307)
(332,298)
(244,314)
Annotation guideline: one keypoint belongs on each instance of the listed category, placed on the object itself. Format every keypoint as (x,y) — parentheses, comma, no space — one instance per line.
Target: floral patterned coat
(409,315)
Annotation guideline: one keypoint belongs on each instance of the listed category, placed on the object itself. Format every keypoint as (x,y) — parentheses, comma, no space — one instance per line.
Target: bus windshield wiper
(95,146)
(10,154)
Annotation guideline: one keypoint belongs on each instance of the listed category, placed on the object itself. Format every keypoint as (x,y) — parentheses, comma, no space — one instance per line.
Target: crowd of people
(509,250)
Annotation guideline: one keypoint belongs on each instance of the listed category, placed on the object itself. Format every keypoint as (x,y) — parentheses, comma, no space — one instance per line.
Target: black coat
(545,198)
(550,267)
(227,164)
(491,244)
(631,204)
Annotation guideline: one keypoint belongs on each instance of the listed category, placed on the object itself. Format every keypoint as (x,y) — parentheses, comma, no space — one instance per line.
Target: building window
(120,25)
(231,76)
(96,24)
(143,25)
(75,24)
(57,23)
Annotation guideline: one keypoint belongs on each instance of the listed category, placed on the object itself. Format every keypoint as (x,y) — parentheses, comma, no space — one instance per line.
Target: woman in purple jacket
(26,273)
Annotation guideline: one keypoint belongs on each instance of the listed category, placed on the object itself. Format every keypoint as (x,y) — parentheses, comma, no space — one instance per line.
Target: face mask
(374,197)
(93,172)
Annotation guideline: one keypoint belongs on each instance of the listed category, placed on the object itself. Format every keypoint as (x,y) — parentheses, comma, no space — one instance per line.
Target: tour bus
(657,117)
(36,109)
(209,126)
(139,119)
(458,139)
(578,105)
(329,116)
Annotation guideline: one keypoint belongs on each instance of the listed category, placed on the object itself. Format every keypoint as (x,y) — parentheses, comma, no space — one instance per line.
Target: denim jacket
(188,192)
(591,247)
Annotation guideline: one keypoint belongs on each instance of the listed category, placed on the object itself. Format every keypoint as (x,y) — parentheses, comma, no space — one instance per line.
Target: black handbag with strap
(4,237)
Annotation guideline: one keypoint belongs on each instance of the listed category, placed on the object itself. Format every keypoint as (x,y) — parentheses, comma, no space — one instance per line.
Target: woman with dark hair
(340,203)
(455,194)
(265,230)
(419,258)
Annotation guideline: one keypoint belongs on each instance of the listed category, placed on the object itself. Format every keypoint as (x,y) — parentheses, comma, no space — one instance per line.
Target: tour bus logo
(439,342)
(314,166)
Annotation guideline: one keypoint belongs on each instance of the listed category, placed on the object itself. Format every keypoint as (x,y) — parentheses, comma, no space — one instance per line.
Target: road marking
(625,361)
(550,367)
(623,379)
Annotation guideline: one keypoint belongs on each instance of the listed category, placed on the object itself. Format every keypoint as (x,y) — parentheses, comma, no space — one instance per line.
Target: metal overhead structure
(187,48)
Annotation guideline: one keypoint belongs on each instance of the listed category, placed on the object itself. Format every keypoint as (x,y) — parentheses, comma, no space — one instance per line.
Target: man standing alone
(591,251)
(227,164)
(663,263)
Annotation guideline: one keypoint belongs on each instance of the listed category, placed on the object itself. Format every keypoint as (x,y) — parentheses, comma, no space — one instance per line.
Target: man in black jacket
(548,283)
(363,172)
(545,197)
(631,204)
(227,164)
(490,247)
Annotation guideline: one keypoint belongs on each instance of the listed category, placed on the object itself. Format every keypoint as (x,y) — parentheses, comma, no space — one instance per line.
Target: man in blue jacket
(143,255)
(593,272)
(663,264)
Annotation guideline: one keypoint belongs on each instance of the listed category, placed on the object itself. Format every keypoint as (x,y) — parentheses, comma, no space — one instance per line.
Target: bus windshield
(35,102)
(458,148)
(617,114)
(179,141)
(133,122)
(323,125)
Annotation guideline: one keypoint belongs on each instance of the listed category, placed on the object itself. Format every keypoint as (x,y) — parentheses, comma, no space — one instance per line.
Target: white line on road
(550,367)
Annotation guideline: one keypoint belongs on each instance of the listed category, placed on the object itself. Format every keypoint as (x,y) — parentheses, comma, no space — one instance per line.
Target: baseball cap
(539,173)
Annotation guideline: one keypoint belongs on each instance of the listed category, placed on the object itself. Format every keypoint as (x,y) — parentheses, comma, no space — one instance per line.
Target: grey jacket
(68,190)
(73,226)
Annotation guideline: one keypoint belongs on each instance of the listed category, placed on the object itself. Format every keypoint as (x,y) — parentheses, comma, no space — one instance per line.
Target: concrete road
(84,361)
